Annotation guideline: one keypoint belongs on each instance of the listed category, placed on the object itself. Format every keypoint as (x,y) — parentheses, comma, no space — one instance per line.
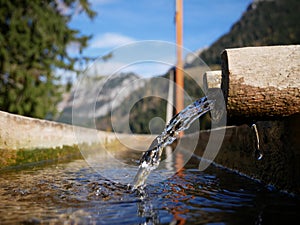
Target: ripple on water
(74,193)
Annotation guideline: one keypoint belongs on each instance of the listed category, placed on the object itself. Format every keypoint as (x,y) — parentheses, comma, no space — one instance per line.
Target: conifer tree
(34,36)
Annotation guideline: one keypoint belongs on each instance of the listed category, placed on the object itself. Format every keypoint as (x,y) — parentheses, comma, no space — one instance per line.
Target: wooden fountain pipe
(261,81)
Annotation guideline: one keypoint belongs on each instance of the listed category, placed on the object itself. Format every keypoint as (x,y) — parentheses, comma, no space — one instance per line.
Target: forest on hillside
(263,23)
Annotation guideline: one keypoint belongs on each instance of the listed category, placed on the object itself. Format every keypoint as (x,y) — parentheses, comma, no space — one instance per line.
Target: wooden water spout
(261,81)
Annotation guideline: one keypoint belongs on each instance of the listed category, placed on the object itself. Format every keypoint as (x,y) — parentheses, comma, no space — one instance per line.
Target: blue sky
(119,22)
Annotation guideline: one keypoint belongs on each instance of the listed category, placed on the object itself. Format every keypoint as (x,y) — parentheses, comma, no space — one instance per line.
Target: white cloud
(148,69)
(110,40)
(104,68)
(144,69)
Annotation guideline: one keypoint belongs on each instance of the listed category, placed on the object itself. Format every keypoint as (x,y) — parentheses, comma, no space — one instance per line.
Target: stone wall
(279,143)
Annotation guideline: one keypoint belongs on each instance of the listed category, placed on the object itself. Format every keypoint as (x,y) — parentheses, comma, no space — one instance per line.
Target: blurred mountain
(100,93)
(265,22)
(123,102)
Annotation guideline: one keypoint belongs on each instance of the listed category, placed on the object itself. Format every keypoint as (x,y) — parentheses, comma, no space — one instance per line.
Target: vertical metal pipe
(179,66)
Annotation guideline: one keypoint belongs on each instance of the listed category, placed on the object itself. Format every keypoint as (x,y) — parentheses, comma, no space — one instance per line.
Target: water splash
(181,121)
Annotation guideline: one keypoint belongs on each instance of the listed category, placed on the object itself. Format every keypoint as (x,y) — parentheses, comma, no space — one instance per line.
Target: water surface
(73,193)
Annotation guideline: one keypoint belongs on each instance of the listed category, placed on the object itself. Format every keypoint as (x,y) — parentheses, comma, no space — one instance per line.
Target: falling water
(258,153)
(181,121)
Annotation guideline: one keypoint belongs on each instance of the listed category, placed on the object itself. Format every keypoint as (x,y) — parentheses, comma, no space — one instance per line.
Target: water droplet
(258,154)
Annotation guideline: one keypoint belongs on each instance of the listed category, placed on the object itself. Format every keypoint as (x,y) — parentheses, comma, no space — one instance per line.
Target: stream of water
(180,122)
